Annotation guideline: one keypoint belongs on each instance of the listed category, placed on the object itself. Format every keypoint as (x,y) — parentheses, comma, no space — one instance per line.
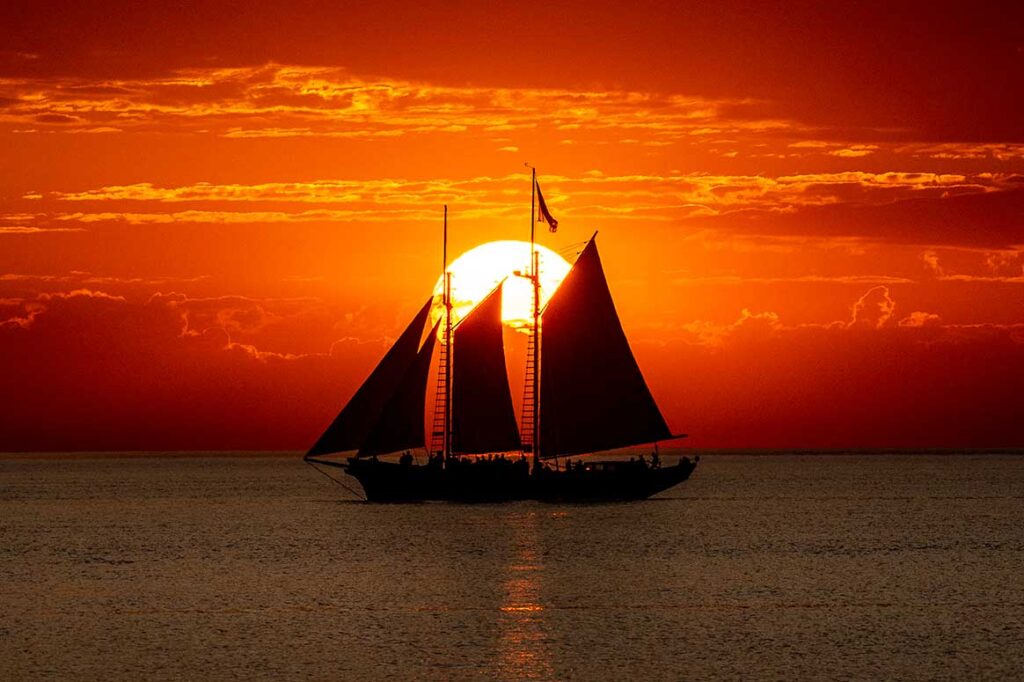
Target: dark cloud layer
(949,71)
(85,370)
(90,371)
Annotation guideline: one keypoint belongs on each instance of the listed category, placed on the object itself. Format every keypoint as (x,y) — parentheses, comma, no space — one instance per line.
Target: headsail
(593,396)
(350,428)
(483,419)
(400,424)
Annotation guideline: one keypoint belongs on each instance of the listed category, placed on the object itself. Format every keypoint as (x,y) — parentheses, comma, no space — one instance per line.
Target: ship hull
(619,483)
(490,482)
(391,482)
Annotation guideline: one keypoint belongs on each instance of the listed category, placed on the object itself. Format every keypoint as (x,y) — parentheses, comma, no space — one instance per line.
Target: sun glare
(476,272)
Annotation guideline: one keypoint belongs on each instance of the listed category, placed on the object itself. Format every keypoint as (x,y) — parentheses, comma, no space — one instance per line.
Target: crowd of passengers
(522,464)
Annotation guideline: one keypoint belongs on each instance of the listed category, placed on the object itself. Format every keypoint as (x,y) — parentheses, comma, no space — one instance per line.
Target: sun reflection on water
(522,646)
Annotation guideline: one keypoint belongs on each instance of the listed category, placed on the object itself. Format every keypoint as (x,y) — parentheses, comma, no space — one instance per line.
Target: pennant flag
(545,214)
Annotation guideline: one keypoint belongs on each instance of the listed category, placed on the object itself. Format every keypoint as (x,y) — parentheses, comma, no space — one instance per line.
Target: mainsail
(350,428)
(593,396)
(400,424)
(483,419)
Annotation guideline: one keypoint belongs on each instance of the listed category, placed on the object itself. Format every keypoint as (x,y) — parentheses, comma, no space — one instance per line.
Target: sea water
(865,566)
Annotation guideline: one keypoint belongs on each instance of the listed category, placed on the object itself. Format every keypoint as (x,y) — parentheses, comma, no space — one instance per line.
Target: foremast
(441,433)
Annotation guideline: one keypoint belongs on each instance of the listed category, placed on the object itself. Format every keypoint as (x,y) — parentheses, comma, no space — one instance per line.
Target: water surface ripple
(810,566)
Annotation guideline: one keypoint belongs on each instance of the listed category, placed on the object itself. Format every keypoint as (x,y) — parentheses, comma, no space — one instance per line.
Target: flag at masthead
(545,214)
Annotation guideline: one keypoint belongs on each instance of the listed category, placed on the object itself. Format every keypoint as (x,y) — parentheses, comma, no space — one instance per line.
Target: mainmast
(446,453)
(535,280)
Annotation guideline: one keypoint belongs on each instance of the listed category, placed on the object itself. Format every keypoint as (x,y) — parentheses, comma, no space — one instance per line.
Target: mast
(535,279)
(446,452)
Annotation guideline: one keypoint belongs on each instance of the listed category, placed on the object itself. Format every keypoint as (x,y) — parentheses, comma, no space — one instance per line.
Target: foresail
(483,419)
(593,395)
(350,428)
(400,423)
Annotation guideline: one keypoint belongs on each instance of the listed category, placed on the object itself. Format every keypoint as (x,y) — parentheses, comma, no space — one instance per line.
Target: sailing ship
(584,394)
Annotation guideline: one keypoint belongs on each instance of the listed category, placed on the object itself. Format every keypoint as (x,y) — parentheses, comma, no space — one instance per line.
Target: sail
(350,428)
(483,419)
(400,424)
(593,396)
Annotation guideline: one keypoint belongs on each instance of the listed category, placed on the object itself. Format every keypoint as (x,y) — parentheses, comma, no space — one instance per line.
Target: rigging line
(575,246)
(324,473)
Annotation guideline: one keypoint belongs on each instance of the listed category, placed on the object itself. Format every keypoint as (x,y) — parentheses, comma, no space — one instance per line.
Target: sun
(476,272)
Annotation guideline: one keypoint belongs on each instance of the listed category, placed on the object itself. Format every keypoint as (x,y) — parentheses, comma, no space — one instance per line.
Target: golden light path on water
(476,272)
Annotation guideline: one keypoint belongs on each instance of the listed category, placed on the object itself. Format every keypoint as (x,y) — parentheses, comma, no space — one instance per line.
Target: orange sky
(213,220)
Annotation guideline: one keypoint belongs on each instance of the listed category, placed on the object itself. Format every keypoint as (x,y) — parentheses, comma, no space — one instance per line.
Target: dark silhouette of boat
(584,394)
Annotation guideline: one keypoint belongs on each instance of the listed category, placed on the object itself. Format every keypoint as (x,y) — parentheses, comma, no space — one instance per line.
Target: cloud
(998,151)
(722,280)
(977,219)
(874,309)
(32,285)
(55,118)
(855,151)
(749,325)
(23,230)
(920,384)
(931,262)
(1005,263)
(284,101)
(731,202)
(1017,279)
(93,370)
(920,319)
(863,382)
(297,101)
(253,217)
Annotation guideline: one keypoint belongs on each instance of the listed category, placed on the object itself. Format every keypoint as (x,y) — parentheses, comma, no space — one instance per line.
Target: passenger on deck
(643,462)
(655,460)
(406,459)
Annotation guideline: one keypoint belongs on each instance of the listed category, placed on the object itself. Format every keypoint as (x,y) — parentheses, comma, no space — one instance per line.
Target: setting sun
(476,272)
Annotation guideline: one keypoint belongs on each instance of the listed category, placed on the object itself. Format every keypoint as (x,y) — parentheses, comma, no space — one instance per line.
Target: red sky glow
(214,220)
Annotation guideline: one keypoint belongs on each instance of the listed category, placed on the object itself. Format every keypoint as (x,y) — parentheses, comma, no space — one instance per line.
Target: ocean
(801,566)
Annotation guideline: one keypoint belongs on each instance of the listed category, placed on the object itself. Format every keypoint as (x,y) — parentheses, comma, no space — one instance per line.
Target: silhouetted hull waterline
(610,482)
(491,482)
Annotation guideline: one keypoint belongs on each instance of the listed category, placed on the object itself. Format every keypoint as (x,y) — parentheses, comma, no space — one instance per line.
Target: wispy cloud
(22,230)
(296,101)
(999,151)
(720,280)
(647,197)
(1011,279)
(247,217)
